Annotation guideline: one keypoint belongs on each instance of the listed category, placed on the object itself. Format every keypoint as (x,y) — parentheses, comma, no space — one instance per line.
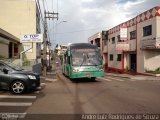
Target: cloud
(91,16)
(126,4)
(87,0)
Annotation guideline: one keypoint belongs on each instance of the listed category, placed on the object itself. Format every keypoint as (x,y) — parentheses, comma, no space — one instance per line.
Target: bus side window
(68,59)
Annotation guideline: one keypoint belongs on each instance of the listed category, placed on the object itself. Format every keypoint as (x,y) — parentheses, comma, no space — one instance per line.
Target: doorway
(10,50)
(133,63)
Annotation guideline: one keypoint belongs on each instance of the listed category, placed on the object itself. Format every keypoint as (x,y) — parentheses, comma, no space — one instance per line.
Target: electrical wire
(57,6)
(46,6)
(46,9)
(40,12)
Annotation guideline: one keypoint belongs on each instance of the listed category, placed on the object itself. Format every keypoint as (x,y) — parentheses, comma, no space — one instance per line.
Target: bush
(2,56)
(26,63)
(157,71)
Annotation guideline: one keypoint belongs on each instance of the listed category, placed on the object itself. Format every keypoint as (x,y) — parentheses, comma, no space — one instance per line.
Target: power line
(57,6)
(40,12)
(47,9)
(52,4)
(43,5)
(46,6)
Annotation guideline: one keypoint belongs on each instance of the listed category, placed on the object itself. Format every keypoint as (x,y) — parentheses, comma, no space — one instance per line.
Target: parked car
(17,80)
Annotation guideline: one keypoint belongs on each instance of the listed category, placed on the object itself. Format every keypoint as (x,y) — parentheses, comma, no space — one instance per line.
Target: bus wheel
(93,78)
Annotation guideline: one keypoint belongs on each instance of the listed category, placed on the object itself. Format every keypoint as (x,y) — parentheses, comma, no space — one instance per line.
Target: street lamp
(58,24)
(61,22)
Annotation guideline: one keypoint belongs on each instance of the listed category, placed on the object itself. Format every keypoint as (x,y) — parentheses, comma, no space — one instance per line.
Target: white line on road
(14,116)
(15,104)
(104,79)
(11,96)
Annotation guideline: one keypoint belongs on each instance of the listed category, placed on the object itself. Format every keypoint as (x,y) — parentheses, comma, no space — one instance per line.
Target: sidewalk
(134,77)
(51,75)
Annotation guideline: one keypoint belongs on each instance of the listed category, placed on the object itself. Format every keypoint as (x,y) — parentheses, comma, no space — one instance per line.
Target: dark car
(15,79)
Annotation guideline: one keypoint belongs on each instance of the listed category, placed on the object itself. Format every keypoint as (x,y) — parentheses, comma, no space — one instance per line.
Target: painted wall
(141,54)
(18,17)
(4,50)
(152,60)
(152,57)
(112,50)
(132,43)
(158,26)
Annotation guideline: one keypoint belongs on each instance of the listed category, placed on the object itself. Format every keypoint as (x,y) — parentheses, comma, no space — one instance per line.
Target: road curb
(118,76)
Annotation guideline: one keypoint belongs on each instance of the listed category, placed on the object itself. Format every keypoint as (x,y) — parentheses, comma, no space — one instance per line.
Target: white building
(140,52)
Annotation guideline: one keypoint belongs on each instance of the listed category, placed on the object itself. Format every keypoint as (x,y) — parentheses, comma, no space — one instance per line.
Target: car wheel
(18,87)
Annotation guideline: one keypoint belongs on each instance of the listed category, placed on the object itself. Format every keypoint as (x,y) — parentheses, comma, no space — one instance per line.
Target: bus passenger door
(68,66)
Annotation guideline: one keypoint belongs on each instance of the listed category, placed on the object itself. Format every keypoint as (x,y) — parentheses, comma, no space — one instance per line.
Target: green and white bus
(82,60)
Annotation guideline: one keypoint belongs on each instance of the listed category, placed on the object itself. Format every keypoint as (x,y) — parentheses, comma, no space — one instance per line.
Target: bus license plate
(88,75)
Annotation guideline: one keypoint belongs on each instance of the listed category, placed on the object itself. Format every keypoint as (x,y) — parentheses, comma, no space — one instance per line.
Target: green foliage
(26,62)
(157,71)
(55,51)
(56,46)
(127,68)
(2,56)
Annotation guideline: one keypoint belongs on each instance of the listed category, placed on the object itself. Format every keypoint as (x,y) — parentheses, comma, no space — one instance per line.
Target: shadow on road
(84,80)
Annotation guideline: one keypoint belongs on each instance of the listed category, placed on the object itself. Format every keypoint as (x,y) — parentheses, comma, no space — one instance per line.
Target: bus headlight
(101,68)
(75,70)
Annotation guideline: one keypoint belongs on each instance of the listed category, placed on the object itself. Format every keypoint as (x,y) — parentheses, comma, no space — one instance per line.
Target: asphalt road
(107,95)
(68,99)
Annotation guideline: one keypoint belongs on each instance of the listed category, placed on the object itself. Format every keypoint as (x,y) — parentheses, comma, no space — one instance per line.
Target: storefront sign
(123,33)
(31,38)
(150,43)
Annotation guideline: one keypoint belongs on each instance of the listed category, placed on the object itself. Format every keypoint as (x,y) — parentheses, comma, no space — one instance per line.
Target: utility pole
(47,15)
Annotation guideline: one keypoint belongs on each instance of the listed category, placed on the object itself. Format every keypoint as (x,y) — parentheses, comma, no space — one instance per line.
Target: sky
(87,17)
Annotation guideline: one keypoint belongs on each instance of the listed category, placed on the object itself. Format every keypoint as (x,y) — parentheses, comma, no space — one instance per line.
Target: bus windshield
(86,57)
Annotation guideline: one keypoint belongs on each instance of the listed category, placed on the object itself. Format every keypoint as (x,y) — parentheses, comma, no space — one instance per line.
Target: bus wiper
(84,59)
(91,61)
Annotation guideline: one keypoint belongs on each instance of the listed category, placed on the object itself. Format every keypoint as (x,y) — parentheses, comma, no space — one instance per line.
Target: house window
(118,38)
(133,35)
(119,57)
(147,30)
(113,40)
(111,57)
(97,41)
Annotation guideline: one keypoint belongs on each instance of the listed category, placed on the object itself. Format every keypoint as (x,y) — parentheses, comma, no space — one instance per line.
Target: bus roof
(82,45)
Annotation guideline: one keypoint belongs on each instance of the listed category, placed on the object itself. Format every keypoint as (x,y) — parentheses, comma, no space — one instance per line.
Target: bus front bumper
(87,74)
